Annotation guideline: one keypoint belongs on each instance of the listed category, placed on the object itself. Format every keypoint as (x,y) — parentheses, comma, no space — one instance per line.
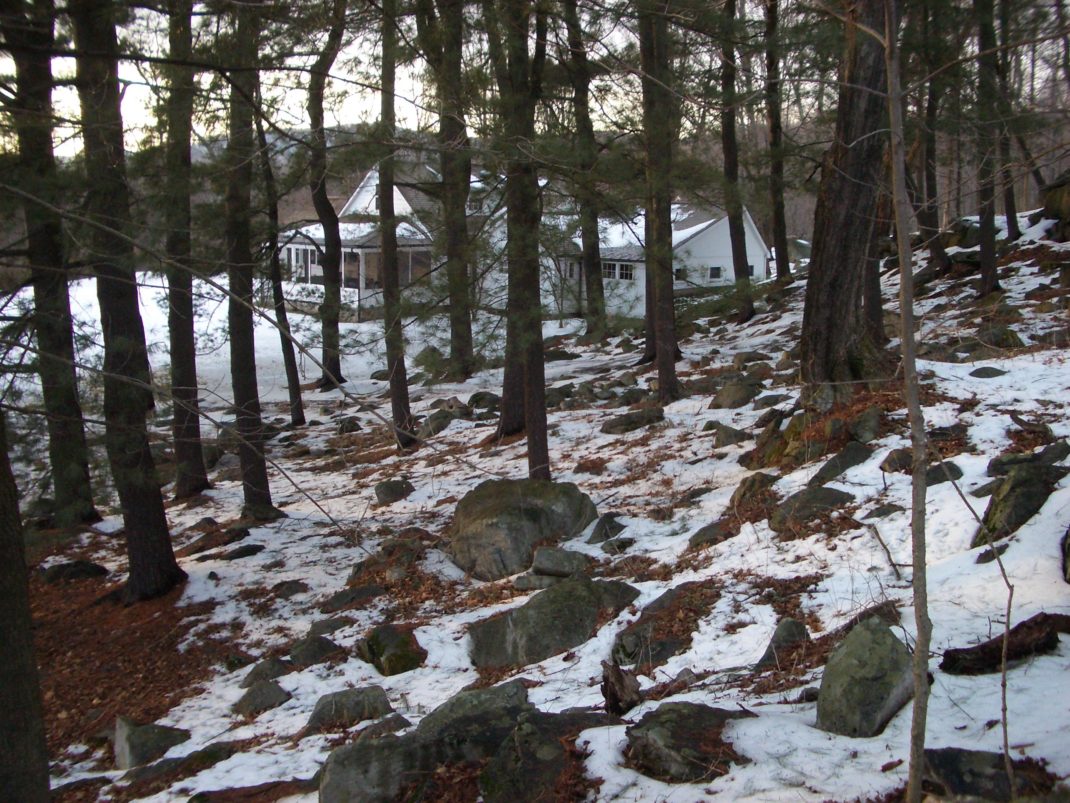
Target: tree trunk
(441,37)
(1010,207)
(395,342)
(929,209)
(127,392)
(730,145)
(519,79)
(31,112)
(23,752)
(776,141)
(240,155)
(191,476)
(586,191)
(278,297)
(912,395)
(987,69)
(872,301)
(835,350)
(317,171)
(658,125)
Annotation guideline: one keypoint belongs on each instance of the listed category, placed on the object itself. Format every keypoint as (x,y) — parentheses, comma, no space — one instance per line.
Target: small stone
(313,650)
(883,511)
(535,582)
(710,535)
(726,435)
(289,588)
(351,598)
(392,650)
(631,421)
(853,454)
(139,744)
(750,487)
(389,491)
(349,425)
(866,427)
(788,633)
(941,473)
(805,505)
(897,460)
(73,570)
(618,546)
(243,551)
(268,669)
(987,372)
(735,394)
(324,627)
(770,400)
(556,562)
(605,528)
(262,696)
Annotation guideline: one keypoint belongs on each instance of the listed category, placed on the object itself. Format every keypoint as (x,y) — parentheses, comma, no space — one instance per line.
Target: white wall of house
(707,257)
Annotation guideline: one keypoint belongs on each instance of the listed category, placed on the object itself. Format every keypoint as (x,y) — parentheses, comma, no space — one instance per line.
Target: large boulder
(1018,498)
(973,774)
(497,525)
(683,743)
(468,727)
(551,622)
(794,512)
(139,744)
(867,680)
(343,709)
(532,760)
(633,420)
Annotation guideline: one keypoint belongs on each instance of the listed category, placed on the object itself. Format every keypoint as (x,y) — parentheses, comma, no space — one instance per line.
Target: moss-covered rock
(1018,498)
(683,743)
(392,649)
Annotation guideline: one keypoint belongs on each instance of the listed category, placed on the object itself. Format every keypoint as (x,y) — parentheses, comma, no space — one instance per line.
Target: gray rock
(189,764)
(770,400)
(749,487)
(351,598)
(735,394)
(973,774)
(375,770)
(313,650)
(73,570)
(262,696)
(556,562)
(535,582)
(866,426)
(788,633)
(941,473)
(999,336)
(683,743)
(1019,497)
(381,375)
(866,681)
(349,424)
(551,622)
(711,535)
(243,551)
(389,491)
(392,649)
(324,627)
(139,744)
(726,435)
(740,361)
(987,489)
(530,762)
(605,528)
(1049,455)
(883,511)
(631,421)
(268,669)
(344,709)
(799,508)
(853,454)
(986,372)
(618,545)
(497,525)
(479,717)
(289,588)
(897,460)
(643,642)
(484,400)
(435,423)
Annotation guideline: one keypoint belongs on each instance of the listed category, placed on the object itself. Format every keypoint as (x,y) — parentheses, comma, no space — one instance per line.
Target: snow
(791,758)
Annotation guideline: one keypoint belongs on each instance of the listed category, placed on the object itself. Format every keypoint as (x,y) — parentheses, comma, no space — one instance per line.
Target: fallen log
(1036,635)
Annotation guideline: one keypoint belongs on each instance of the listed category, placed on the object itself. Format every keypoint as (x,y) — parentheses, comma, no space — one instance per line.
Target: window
(474,205)
(627,271)
(750,270)
(609,270)
(716,272)
(680,274)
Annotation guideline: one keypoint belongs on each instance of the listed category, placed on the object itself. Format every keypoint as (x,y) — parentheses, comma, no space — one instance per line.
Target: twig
(876,534)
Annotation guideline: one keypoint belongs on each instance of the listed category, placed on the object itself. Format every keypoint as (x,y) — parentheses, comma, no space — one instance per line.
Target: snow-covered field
(644,472)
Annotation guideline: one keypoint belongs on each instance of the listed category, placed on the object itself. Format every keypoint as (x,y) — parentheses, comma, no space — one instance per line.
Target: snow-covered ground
(644,472)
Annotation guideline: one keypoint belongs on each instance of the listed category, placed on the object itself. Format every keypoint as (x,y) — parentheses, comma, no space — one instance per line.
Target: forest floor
(179,660)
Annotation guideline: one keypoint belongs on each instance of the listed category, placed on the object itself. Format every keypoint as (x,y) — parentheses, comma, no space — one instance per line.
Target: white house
(702,257)
(702,252)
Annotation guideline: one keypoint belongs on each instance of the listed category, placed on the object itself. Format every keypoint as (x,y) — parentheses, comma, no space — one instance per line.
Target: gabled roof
(622,238)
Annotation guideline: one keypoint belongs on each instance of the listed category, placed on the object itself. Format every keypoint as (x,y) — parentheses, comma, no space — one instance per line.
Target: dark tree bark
(23,752)
(872,301)
(31,112)
(776,140)
(278,297)
(317,171)
(441,37)
(1010,206)
(395,342)
(586,191)
(835,349)
(519,79)
(240,156)
(730,145)
(660,138)
(191,477)
(127,392)
(928,212)
(987,70)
